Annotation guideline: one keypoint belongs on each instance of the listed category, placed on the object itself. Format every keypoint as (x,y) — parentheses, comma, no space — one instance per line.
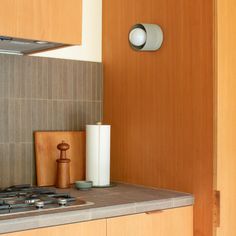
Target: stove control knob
(62,201)
(39,204)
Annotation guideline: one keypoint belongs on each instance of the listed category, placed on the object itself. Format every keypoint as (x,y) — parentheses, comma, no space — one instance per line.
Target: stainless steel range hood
(9,45)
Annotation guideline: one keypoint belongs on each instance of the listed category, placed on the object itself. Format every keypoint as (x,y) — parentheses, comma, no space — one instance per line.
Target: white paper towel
(98,154)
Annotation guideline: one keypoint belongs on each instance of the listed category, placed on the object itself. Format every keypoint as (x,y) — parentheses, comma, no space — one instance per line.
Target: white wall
(91,48)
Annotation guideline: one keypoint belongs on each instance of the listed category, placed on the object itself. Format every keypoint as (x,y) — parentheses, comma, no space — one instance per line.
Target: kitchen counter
(122,199)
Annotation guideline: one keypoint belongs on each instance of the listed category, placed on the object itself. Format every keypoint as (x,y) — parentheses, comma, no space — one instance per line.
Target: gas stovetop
(29,199)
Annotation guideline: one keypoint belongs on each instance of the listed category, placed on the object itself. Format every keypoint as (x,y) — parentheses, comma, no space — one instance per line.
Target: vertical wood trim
(216,207)
(215,93)
(226,113)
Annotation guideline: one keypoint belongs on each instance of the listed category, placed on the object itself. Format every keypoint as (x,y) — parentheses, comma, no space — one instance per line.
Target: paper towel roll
(98,154)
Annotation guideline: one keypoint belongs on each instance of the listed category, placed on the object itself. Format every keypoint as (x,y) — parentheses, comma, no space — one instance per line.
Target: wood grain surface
(47,153)
(160,104)
(90,228)
(52,20)
(226,115)
(174,222)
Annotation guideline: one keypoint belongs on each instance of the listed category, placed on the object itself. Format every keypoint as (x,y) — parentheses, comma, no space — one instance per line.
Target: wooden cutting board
(46,154)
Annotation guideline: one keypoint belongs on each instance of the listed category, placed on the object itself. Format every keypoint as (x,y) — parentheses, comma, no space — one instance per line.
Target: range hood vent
(18,46)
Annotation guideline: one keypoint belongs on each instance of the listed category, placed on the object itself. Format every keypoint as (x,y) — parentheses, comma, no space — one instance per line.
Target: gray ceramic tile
(88,81)
(50,75)
(57,115)
(73,113)
(61,90)
(78,81)
(50,115)
(29,72)
(92,112)
(101,111)
(4,120)
(64,115)
(39,115)
(39,78)
(68,115)
(5,165)
(12,121)
(21,163)
(16,121)
(21,120)
(67,79)
(99,81)
(14,89)
(61,76)
(26,120)
(5,73)
(87,112)
(10,74)
(98,111)
(96,81)
(80,123)
(20,86)
(43,94)
(54,80)
(94,85)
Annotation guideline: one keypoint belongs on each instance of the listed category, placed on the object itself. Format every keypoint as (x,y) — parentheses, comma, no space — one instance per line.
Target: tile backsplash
(42,94)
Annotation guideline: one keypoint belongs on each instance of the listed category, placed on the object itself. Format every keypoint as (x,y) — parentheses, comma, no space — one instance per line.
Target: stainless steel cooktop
(25,198)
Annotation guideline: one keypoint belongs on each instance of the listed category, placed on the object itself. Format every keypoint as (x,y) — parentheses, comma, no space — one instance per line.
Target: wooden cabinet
(47,20)
(90,228)
(173,111)
(174,222)
(160,103)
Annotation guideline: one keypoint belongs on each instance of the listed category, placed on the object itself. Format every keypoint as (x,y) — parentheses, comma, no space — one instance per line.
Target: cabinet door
(174,222)
(47,20)
(90,228)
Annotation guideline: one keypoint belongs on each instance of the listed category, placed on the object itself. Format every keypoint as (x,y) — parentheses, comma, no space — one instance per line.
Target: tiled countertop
(122,199)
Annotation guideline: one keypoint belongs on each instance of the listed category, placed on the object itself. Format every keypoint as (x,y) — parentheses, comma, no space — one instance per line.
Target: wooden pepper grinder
(63,167)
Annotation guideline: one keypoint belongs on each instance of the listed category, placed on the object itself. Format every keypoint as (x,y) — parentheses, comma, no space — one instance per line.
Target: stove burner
(39,204)
(31,200)
(24,198)
(62,202)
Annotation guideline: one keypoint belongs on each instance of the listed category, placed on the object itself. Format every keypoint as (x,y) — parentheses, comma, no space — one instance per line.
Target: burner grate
(21,198)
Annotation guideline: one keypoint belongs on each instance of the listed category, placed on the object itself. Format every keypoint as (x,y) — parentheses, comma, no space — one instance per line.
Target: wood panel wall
(226,115)
(160,104)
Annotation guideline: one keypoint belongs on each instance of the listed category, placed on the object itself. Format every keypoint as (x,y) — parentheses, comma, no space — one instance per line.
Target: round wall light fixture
(146,37)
